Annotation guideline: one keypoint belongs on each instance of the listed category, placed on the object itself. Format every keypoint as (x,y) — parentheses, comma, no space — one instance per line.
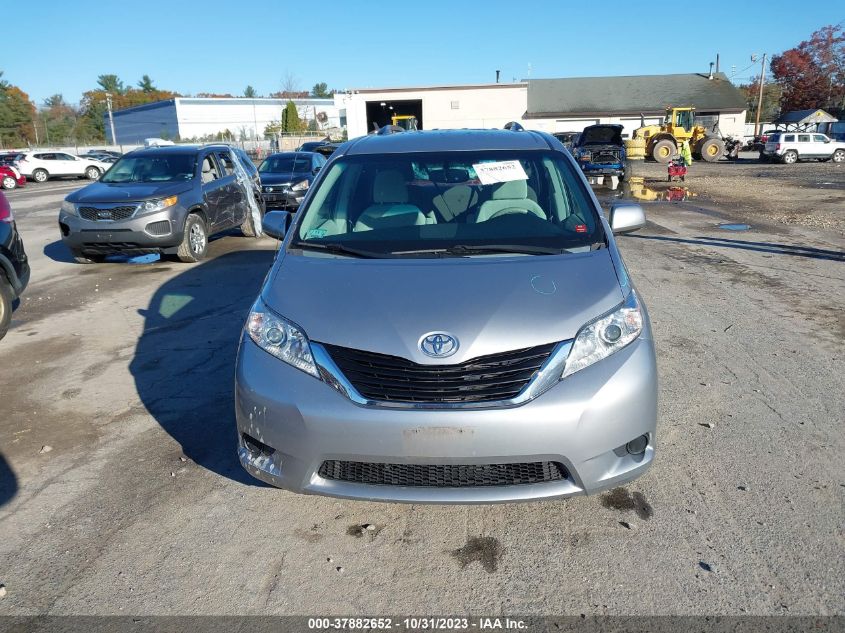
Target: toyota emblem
(438,344)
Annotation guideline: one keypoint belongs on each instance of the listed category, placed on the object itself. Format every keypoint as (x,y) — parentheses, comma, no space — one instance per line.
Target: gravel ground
(810,194)
(120,492)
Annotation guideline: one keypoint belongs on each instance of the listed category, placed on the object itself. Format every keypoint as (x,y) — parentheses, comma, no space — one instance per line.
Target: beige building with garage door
(552,105)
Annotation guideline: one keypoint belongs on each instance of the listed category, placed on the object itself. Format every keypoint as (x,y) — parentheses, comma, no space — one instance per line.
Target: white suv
(790,147)
(41,165)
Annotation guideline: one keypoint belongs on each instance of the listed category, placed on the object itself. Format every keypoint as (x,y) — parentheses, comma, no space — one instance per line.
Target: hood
(491,304)
(99,192)
(273,178)
(601,135)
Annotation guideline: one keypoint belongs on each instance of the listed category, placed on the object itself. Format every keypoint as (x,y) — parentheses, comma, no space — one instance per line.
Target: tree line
(808,76)
(59,122)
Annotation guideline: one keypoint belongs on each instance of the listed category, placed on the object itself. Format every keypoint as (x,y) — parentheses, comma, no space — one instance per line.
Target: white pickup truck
(790,147)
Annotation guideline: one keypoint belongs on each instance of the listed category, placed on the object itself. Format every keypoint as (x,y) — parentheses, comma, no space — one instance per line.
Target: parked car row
(42,165)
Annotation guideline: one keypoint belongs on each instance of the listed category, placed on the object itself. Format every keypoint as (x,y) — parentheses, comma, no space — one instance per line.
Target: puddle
(637,189)
(622,500)
(734,227)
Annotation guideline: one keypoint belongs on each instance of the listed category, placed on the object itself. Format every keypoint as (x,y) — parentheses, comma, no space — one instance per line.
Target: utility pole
(760,96)
(111,119)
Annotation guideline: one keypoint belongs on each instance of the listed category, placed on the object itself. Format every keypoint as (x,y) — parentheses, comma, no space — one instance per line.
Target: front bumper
(582,423)
(285,199)
(134,235)
(601,169)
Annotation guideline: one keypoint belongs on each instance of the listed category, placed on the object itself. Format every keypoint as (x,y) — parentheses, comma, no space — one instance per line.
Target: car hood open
(100,192)
(490,304)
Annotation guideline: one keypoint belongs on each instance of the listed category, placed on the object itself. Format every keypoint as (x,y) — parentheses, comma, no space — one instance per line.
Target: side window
(789,138)
(226,163)
(803,138)
(44,156)
(64,157)
(819,138)
(210,172)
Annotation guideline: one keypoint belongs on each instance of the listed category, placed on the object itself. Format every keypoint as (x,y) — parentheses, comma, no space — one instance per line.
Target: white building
(198,117)
(552,105)
(436,107)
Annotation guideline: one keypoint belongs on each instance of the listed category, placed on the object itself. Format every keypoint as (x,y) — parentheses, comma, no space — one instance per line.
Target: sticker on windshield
(501,171)
(315,233)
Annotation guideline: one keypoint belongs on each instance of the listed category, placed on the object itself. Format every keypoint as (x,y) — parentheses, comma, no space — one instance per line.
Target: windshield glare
(285,165)
(427,203)
(169,168)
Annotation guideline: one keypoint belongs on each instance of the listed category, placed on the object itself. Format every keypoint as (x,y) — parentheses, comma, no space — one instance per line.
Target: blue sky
(187,46)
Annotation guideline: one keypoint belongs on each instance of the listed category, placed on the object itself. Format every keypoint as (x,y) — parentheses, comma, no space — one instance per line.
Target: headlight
(302,185)
(69,207)
(280,338)
(605,336)
(151,206)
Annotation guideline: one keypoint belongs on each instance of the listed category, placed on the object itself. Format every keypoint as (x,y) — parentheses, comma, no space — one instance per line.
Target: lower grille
(113,213)
(162,227)
(444,475)
(484,379)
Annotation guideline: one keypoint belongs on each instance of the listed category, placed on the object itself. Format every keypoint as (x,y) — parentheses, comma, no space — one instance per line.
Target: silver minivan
(448,320)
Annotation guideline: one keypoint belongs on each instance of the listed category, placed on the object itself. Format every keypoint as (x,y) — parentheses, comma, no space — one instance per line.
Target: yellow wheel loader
(662,141)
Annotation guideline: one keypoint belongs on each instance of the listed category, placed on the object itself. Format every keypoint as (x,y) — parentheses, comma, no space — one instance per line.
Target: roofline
(705,75)
(518,84)
(603,113)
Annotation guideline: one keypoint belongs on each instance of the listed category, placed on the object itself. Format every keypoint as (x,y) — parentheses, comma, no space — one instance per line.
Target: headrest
(513,190)
(389,187)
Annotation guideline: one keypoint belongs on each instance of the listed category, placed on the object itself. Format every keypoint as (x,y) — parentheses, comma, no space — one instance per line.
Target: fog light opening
(637,446)
(256,449)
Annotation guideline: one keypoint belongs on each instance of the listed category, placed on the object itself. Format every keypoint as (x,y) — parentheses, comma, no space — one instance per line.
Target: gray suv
(166,200)
(448,320)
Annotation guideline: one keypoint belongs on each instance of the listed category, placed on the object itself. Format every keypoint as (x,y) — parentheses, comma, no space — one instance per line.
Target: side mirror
(626,218)
(276,224)
(827,140)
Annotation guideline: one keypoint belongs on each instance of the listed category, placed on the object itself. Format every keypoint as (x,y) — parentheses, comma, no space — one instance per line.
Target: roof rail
(514,127)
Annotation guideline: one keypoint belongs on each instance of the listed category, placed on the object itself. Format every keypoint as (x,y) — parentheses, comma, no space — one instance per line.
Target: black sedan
(286,176)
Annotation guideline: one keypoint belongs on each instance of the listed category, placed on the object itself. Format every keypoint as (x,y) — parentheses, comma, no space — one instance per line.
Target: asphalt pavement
(120,490)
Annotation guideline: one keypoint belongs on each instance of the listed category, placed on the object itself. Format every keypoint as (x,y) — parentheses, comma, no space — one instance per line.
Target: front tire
(7,298)
(194,246)
(92,173)
(663,151)
(9,182)
(790,157)
(40,175)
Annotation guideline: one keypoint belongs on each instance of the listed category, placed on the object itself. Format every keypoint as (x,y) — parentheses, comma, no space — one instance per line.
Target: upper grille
(605,156)
(442,475)
(483,379)
(113,213)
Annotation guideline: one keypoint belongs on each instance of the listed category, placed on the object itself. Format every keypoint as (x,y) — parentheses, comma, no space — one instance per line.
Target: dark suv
(166,200)
(14,267)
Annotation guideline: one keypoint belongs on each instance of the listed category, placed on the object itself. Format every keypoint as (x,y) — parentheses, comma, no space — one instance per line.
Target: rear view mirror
(626,218)
(276,223)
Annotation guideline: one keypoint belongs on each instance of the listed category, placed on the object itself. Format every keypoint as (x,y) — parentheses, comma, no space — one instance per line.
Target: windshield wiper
(338,249)
(465,250)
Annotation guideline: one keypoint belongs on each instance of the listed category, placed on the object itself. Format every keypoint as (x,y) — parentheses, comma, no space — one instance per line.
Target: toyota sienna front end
(448,320)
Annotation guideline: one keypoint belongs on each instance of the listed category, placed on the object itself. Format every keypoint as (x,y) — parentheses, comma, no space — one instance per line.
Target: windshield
(285,165)
(159,168)
(450,204)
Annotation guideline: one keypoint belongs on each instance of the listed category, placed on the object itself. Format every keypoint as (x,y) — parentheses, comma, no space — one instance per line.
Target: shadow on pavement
(8,482)
(58,252)
(184,362)
(764,247)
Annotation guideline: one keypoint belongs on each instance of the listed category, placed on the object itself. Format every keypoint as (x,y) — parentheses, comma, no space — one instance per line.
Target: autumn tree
(17,114)
(58,120)
(772,93)
(812,75)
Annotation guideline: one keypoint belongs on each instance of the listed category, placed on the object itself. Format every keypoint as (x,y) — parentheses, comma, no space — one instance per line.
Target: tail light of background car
(777,147)
(5,210)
